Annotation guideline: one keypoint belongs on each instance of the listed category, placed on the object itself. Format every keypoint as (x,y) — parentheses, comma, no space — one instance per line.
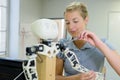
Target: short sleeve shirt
(88,56)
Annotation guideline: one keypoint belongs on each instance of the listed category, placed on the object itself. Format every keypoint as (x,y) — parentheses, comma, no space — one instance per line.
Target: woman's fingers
(83,35)
(91,75)
(88,76)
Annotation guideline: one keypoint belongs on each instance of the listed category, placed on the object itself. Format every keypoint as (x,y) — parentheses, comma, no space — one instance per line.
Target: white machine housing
(45,29)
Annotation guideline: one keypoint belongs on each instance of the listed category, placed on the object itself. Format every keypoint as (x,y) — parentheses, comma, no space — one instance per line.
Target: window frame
(5,51)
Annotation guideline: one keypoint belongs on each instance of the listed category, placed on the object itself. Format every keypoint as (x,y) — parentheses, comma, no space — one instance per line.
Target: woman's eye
(75,21)
(67,23)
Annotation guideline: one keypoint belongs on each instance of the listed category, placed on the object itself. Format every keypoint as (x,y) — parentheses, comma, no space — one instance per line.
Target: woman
(89,49)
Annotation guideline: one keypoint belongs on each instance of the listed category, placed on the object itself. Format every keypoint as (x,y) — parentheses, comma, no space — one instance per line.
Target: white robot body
(45,29)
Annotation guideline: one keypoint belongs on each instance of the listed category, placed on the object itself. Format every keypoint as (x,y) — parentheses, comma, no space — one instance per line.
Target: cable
(19,75)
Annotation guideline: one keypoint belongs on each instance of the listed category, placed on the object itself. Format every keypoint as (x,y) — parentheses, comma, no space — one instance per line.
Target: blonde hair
(77,6)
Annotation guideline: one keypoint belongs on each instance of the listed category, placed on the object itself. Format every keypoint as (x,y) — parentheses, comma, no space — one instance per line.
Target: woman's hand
(89,37)
(91,75)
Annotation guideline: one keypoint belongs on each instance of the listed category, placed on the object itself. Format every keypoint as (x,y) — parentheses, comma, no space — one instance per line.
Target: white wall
(30,10)
(54,8)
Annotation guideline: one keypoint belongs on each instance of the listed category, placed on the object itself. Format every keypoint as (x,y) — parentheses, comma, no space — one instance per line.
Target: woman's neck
(79,43)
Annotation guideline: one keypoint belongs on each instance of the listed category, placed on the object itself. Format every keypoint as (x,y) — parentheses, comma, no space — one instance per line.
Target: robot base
(46,68)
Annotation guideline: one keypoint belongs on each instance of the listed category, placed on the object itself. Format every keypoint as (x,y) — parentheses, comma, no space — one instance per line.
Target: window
(3,25)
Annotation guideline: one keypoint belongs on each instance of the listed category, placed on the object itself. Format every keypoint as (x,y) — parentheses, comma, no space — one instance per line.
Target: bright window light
(3,25)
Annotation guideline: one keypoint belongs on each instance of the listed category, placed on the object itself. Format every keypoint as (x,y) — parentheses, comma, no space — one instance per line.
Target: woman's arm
(112,56)
(59,73)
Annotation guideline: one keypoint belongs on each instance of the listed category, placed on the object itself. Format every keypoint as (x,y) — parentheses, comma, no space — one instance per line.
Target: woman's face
(75,23)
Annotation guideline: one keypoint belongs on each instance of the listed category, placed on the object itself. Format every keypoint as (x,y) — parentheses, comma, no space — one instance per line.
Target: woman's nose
(71,26)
